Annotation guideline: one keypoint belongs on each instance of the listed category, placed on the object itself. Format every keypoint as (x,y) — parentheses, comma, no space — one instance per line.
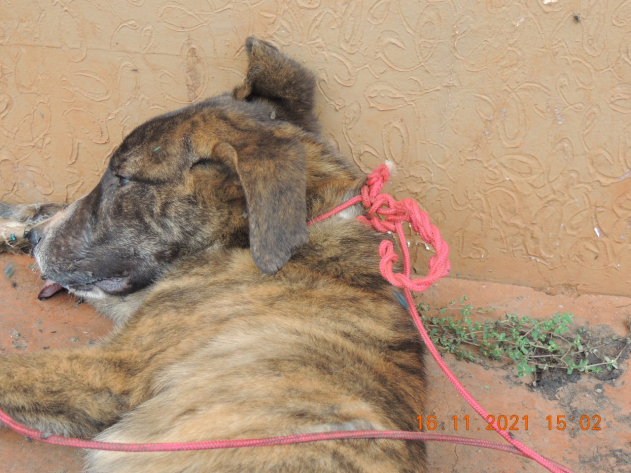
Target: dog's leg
(16,220)
(281,82)
(70,392)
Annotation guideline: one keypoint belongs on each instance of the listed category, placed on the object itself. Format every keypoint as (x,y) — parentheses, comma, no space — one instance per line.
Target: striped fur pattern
(234,320)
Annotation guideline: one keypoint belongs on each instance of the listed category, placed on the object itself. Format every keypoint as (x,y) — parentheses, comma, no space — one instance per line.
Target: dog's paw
(14,237)
(30,214)
(16,220)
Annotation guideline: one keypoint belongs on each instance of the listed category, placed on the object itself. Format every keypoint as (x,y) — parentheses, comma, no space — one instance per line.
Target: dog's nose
(35,236)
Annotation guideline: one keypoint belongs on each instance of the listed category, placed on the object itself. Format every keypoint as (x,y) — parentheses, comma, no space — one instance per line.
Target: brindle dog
(234,319)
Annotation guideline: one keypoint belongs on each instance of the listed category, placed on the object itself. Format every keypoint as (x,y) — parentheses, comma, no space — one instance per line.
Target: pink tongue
(49,290)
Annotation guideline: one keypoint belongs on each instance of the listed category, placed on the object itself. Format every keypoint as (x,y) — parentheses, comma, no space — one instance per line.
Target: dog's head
(220,173)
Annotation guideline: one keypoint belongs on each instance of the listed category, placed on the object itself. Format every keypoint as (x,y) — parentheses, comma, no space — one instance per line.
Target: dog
(233,319)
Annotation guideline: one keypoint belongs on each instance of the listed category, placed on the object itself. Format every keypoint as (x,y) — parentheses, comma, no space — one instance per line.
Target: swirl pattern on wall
(509,121)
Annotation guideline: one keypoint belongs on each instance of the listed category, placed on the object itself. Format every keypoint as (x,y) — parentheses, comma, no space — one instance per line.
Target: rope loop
(395,213)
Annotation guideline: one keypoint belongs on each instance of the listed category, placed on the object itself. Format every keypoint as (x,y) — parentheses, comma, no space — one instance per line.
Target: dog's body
(234,319)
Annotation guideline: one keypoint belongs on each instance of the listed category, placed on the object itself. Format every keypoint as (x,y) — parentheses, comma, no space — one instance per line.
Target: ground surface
(27,324)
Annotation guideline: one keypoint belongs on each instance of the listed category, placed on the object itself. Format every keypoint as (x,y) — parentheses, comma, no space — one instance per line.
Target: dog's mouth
(49,290)
(111,286)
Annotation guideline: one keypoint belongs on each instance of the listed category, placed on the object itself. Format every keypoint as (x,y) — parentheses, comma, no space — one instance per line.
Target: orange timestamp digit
(430,422)
(585,422)
(503,422)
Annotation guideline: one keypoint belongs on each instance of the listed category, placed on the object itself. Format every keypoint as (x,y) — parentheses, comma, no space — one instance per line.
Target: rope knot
(377,179)
(395,213)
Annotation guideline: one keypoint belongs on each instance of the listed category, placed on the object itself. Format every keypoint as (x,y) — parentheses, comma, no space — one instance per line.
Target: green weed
(530,343)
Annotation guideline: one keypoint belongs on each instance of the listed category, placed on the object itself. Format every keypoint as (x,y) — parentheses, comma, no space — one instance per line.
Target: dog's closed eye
(122,181)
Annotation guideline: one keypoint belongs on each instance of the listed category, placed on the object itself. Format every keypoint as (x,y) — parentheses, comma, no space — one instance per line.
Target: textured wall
(510,121)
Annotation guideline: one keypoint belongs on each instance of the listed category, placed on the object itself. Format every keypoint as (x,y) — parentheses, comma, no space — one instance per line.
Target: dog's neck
(331,181)
(344,250)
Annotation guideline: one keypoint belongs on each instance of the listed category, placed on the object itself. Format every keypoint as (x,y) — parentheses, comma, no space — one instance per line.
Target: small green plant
(530,343)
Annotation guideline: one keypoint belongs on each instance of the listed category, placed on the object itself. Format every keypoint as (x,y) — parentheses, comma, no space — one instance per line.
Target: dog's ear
(280,82)
(273,178)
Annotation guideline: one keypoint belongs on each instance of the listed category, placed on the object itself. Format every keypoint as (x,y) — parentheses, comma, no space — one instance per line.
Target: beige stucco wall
(509,121)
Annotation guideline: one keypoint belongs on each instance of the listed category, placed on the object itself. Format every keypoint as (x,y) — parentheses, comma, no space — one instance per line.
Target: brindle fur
(234,319)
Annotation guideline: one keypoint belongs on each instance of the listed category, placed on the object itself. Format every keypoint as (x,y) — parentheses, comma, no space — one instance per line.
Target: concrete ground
(27,324)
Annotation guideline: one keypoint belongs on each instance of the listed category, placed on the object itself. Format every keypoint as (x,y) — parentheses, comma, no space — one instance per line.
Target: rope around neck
(395,212)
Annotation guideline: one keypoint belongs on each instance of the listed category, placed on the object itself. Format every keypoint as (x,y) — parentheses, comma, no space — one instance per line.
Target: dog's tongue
(50,289)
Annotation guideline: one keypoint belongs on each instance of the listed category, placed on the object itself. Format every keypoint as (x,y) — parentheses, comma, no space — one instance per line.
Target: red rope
(407,210)
(395,213)
(249,443)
